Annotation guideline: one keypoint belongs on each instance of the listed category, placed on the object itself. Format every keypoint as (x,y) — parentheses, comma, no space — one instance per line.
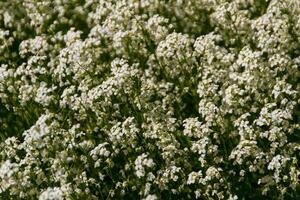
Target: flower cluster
(150,99)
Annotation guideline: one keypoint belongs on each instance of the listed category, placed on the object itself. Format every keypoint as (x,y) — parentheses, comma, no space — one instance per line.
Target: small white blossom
(51,194)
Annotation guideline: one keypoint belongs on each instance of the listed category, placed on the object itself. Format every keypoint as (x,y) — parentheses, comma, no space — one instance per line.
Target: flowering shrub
(150,99)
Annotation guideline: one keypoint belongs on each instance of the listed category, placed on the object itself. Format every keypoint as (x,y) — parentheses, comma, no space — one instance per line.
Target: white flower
(51,194)
(150,197)
(277,162)
(43,97)
(140,163)
(193,177)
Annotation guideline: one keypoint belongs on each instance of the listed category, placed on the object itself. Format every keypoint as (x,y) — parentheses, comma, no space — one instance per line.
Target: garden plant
(149,99)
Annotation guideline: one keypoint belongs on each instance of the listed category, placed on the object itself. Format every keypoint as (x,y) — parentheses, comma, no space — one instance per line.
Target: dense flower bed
(149,99)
